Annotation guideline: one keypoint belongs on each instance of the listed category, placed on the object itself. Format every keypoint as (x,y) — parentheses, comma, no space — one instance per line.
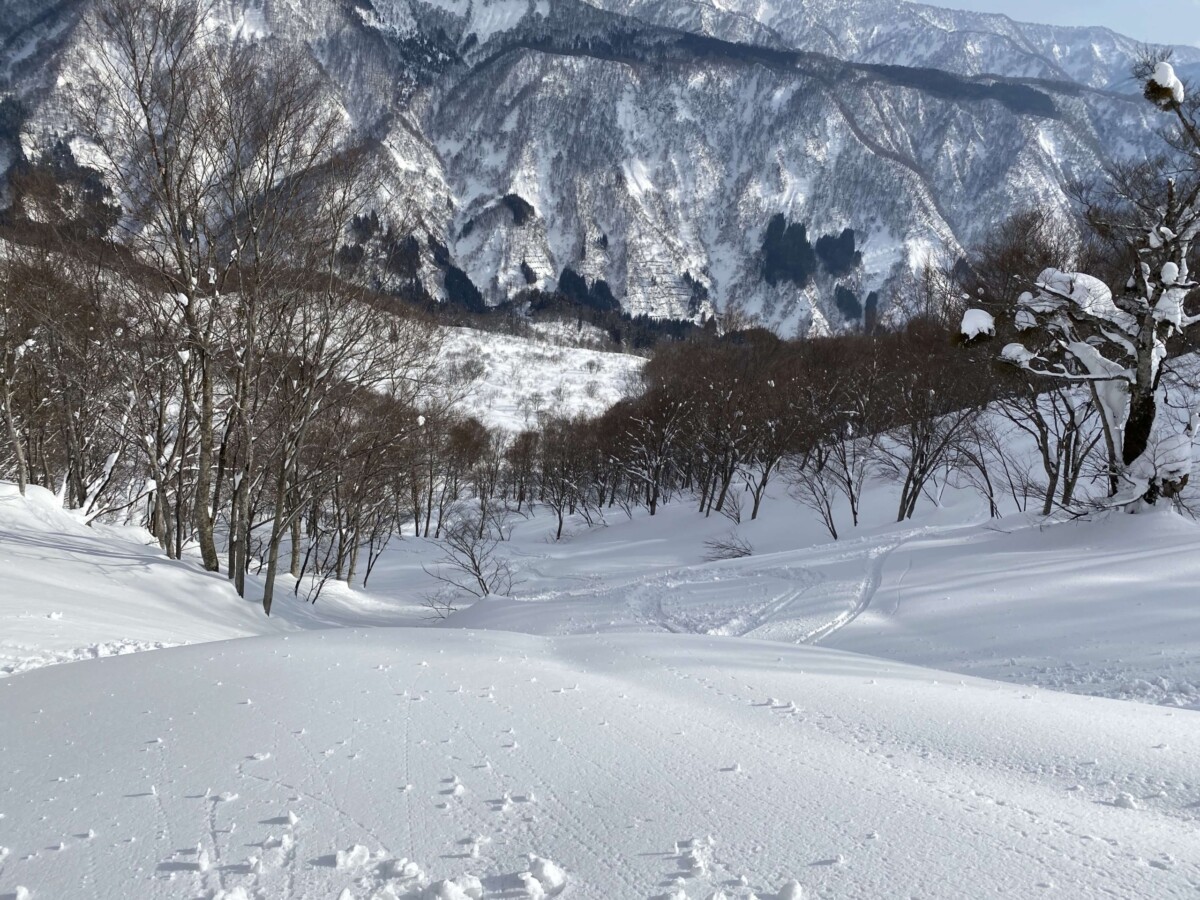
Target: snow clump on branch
(1164,87)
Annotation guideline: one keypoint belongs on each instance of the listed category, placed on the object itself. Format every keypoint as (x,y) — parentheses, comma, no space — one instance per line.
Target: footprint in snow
(838,860)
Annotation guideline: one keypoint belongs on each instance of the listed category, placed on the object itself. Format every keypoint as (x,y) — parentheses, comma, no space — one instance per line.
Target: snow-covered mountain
(651,143)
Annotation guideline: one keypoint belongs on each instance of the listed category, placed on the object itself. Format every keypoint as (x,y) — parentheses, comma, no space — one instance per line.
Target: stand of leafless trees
(186,349)
(181,348)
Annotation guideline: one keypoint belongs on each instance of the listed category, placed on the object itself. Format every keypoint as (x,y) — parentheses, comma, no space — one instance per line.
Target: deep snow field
(634,723)
(950,707)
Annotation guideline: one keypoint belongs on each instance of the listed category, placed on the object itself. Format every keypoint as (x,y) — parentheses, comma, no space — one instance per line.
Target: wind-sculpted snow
(413,764)
(70,592)
(654,141)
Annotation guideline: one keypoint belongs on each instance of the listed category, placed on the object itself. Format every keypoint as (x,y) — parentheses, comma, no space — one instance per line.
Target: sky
(1156,21)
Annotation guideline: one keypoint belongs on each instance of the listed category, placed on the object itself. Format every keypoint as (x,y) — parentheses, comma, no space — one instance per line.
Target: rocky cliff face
(649,144)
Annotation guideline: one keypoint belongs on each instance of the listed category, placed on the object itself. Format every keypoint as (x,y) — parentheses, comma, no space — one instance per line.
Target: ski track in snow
(876,559)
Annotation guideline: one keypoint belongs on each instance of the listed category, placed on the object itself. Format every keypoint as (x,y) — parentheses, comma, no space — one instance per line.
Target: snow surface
(1096,607)
(110,589)
(627,761)
(69,592)
(635,722)
(522,378)
(1103,607)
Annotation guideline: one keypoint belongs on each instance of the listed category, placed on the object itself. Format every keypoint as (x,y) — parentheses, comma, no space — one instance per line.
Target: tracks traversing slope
(877,557)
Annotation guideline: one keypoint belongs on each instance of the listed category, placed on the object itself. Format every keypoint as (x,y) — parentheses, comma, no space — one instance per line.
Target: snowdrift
(70,592)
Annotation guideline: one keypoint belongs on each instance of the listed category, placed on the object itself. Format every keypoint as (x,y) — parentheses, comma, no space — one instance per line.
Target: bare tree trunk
(277,528)
(231,549)
(1048,497)
(296,555)
(760,489)
(352,568)
(1110,443)
(14,436)
(203,515)
(240,537)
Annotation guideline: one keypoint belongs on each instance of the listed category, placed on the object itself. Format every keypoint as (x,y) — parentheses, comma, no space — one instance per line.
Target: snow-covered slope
(1102,607)
(521,378)
(915,34)
(664,729)
(72,592)
(377,764)
(650,143)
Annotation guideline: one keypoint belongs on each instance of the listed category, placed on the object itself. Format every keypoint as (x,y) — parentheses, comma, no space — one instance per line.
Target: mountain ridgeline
(658,158)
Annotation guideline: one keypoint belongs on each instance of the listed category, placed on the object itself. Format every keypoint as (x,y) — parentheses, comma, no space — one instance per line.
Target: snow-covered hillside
(1102,607)
(916,34)
(1097,607)
(665,728)
(649,144)
(71,592)
(521,378)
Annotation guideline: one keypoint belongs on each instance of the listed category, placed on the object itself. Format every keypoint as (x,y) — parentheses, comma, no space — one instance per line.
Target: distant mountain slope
(649,144)
(914,34)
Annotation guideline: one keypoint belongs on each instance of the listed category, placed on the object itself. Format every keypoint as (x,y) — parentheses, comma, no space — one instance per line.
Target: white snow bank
(71,592)
(1104,607)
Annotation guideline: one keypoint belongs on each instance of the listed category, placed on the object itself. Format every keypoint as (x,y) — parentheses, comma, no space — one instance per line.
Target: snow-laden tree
(1120,342)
